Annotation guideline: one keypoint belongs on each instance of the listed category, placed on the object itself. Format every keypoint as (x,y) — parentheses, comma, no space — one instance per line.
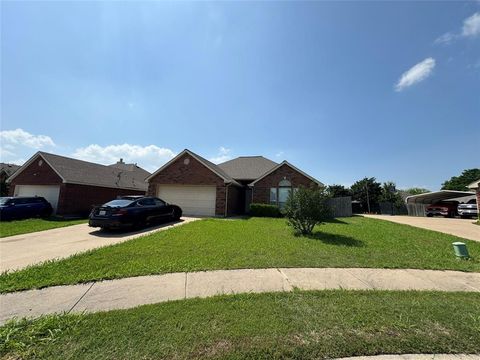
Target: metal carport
(416,204)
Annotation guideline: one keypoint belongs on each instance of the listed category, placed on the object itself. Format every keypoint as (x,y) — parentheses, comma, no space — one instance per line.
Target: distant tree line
(462,181)
(369,193)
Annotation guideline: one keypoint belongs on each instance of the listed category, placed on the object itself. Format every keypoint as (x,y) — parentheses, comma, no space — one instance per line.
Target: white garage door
(194,200)
(49,192)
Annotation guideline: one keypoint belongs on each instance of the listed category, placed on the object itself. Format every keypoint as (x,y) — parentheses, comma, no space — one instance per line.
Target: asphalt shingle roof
(131,167)
(247,167)
(84,172)
(217,168)
(9,168)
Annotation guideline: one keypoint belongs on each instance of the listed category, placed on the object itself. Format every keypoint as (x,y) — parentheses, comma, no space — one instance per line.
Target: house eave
(252,184)
(28,163)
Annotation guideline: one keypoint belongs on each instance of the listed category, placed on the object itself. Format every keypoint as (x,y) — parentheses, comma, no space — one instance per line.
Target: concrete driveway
(20,251)
(459,227)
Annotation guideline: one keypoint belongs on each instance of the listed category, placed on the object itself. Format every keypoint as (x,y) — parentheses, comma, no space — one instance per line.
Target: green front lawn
(17,227)
(298,325)
(253,243)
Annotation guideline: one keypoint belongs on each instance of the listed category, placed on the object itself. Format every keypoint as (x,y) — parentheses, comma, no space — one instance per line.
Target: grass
(253,243)
(17,227)
(298,325)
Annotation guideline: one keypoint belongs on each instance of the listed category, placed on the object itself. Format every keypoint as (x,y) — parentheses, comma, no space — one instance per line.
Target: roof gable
(208,164)
(247,167)
(8,169)
(474,185)
(286,163)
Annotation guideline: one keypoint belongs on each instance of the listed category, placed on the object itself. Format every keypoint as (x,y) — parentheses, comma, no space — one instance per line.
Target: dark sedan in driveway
(24,207)
(134,212)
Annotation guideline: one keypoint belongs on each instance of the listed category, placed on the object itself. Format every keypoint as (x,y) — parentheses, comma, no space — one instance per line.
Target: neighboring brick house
(203,188)
(6,170)
(475,186)
(73,186)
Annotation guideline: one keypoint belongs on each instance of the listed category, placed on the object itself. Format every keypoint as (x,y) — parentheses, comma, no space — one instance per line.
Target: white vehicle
(470,209)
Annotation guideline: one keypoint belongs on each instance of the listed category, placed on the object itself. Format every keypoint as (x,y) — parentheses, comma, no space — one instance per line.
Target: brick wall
(261,189)
(79,199)
(191,173)
(35,174)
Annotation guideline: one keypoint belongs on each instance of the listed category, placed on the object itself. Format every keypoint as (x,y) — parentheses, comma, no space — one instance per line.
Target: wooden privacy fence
(341,206)
(388,208)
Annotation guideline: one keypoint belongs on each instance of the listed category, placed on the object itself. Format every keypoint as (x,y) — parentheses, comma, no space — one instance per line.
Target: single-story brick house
(200,187)
(73,186)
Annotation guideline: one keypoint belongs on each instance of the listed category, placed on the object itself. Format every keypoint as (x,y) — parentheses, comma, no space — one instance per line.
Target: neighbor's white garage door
(49,192)
(194,200)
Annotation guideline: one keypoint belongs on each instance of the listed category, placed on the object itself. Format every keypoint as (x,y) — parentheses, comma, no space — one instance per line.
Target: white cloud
(16,137)
(18,143)
(415,74)
(149,157)
(446,38)
(471,25)
(223,155)
(470,28)
(279,154)
(4,153)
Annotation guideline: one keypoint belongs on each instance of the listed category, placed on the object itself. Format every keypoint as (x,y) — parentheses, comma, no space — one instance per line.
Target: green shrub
(306,208)
(264,210)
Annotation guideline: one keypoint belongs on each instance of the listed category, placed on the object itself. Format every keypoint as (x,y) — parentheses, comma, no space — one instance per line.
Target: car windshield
(118,203)
(4,200)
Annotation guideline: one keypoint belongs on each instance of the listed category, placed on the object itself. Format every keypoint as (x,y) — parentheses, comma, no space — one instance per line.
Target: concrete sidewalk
(131,292)
(464,228)
(19,251)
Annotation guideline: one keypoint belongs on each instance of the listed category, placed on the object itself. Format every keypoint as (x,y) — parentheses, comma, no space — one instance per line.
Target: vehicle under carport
(416,204)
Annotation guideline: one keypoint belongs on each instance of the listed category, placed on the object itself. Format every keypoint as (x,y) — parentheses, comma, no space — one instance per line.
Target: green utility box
(461,250)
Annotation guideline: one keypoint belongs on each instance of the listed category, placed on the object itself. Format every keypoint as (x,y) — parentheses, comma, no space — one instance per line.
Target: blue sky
(343,90)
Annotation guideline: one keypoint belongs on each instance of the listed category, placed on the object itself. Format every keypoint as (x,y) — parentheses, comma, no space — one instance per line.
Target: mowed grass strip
(298,325)
(254,243)
(18,227)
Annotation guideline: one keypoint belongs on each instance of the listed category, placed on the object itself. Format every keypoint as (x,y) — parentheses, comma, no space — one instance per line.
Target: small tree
(390,193)
(368,192)
(392,196)
(305,208)
(338,191)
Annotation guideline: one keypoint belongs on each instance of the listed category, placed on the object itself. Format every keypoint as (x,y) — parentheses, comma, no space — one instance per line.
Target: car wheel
(46,214)
(176,214)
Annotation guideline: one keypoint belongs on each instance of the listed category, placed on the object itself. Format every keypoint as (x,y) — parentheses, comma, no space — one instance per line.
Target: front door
(248,199)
